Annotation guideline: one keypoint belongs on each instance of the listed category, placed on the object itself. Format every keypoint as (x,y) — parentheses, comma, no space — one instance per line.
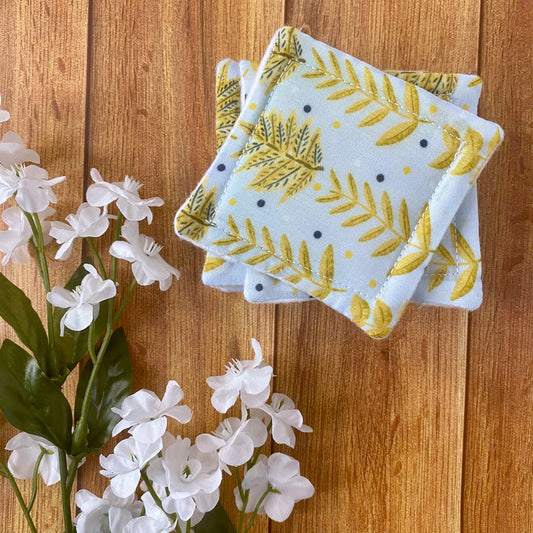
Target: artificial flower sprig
(179,481)
(80,321)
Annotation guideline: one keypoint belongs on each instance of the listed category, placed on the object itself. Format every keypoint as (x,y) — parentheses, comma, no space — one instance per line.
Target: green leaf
(17,311)
(30,400)
(73,345)
(112,384)
(215,521)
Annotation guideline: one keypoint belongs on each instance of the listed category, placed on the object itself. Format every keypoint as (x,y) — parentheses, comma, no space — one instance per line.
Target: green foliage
(111,385)
(17,311)
(31,401)
(216,521)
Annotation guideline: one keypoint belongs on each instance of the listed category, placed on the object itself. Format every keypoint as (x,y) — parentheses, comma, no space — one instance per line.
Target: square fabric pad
(325,182)
(441,283)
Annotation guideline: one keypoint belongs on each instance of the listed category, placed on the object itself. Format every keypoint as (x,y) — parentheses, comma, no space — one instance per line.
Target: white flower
(148,266)
(235,440)
(83,302)
(14,241)
(108,514)
(283,416)
(192,478)
(280,476)
(125,193)
(87,222)
(13,151)
(124,465)
(25,450)
(146,414)
(30,186)
(250,379)
(4,115)
(154,520)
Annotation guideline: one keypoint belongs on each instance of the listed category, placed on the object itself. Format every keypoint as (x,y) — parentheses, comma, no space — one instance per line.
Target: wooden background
(430,430)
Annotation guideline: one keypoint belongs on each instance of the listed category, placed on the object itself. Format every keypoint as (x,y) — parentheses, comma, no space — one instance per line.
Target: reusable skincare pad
(342,181)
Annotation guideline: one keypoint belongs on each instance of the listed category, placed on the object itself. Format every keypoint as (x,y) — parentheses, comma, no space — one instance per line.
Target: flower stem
(65,493)
(37,230)
(34,480)
(90,343)
(155,496)
(243,510)
(125,300)
(188,530)
(4,470)
(256,509)
(118,228)
(239,483)
(97,258)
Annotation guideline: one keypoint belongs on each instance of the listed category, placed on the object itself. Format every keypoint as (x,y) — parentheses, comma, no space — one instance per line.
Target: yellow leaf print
(441,85)
(409,263)
(285,156)
(379,327)
(450,136)
(284,58)
(303,270)
(465,282)
(360,310)
(212,262)
(350,199)
(196,217)
(228,103)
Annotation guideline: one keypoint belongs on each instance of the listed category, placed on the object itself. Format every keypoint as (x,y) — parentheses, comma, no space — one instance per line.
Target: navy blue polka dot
(317,234)
(221,167)
(307,108)
(261,203)
(259,287)
(423,143)
(380,177)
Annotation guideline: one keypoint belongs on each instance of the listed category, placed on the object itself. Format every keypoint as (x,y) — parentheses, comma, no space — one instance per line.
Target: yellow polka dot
(317,186)
(348,254)
(406,170)
(234,137)
(372,283)
(232,201)
(432,109)
(253,105)
(465,107)
(336,124)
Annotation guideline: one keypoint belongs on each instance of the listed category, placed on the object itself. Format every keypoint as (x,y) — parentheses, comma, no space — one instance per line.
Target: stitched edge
(333,280)
(439,185)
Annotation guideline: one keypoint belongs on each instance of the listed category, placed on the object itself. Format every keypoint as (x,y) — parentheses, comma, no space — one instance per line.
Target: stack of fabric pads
(339,182)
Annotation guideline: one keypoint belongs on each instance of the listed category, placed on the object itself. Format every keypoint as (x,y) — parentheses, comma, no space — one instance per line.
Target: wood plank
(388,415)
(498,493)
(151,114)
(43,80)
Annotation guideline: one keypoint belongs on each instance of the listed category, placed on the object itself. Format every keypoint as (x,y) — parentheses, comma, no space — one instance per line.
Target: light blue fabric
(342,181)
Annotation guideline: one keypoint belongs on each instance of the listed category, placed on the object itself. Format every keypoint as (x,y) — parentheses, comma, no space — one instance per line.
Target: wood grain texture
(42,83)
(498,493)
(427,431)
(387,455)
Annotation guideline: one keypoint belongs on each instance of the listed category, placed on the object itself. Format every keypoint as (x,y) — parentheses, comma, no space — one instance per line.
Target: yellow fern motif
(196,217)
(351,199)
(300,267)
(470,265)
(464,156)
(228,103)
(284,58)
(381,317)
(441,85)
(383,102)
(284,155)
